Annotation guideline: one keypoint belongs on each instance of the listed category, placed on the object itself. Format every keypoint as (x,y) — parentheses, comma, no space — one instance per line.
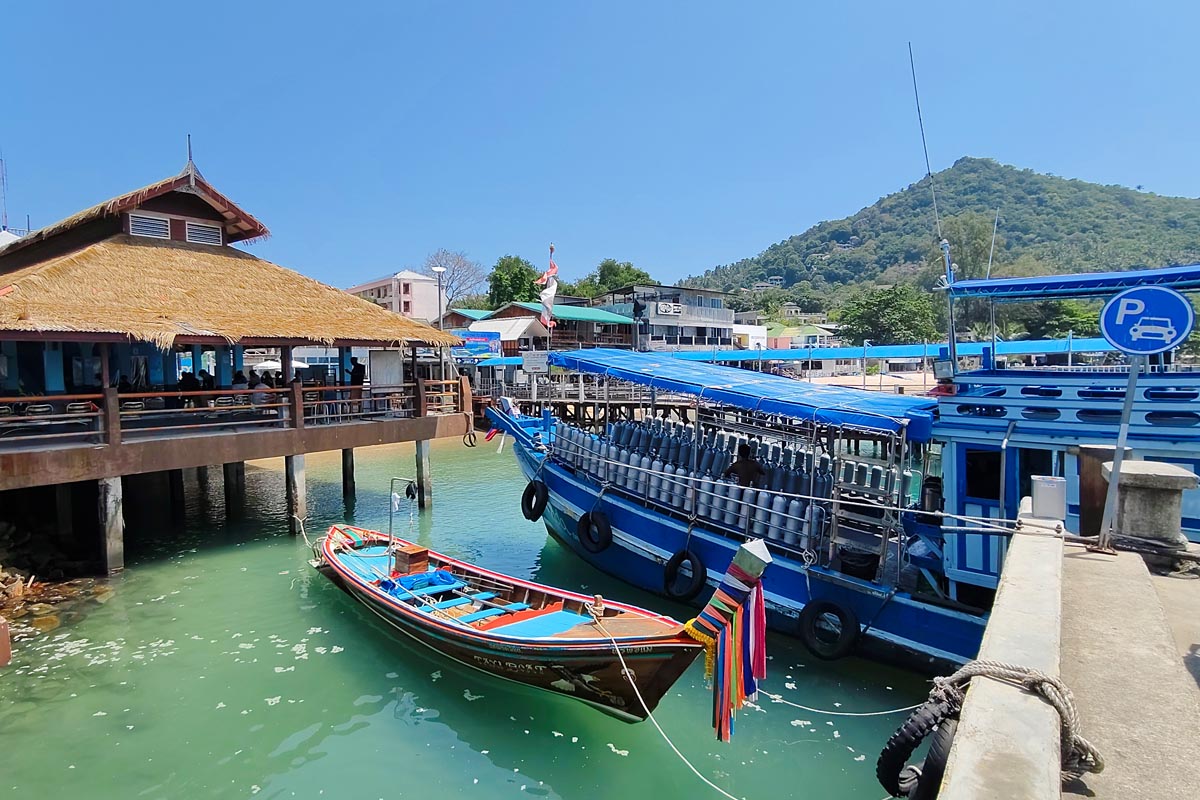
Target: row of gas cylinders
(762,513)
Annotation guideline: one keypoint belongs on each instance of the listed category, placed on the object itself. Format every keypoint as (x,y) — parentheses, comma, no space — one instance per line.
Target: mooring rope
(1078,754)
(775,698)
(629,677)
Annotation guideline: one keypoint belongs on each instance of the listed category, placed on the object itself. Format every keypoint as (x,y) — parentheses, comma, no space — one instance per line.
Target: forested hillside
(1047,223)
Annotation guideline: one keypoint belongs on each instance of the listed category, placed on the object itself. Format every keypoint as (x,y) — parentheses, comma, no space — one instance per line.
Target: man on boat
(746,469)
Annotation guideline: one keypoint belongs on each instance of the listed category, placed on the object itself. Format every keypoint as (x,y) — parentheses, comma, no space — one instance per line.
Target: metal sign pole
(1110,499)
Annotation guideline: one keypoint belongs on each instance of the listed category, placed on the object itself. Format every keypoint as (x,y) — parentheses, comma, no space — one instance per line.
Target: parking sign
(1146,320)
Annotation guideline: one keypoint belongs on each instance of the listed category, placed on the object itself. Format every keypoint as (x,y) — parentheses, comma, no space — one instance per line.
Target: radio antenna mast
(3,193)
(945,245)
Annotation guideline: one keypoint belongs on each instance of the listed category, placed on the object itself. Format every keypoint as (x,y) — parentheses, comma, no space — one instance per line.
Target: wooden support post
(348,475)
(467,401)
(296,408)
(64,510)
(297,492)
(177,495)
(422,398)
(424,483)
(110,507)
(112,417)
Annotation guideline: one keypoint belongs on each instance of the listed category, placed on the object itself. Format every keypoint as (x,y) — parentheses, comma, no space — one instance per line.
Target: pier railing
(107,417)
(52,419)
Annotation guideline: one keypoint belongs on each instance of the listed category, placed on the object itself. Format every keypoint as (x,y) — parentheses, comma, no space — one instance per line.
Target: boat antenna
(988,274)
(937,219)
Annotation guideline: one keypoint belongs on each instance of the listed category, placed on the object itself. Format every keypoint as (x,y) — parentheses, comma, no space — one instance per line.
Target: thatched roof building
(156,265)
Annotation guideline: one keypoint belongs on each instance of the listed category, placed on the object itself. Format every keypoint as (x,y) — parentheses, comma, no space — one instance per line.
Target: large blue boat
(889,515)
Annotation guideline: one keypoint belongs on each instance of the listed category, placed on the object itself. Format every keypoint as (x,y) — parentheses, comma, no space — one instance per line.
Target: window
(198,233)
(406,288)
(983,474)
(407,307)
(153,227)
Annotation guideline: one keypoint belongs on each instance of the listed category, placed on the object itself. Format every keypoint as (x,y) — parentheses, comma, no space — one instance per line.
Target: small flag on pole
(549,279)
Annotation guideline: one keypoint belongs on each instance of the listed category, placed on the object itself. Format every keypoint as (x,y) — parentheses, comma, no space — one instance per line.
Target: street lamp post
(441,350)
(864,363)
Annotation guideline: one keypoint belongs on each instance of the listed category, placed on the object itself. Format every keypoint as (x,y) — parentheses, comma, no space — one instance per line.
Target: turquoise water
(225,667)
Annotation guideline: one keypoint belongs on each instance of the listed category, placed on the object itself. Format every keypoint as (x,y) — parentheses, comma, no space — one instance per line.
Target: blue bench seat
(462,601)
(493,612)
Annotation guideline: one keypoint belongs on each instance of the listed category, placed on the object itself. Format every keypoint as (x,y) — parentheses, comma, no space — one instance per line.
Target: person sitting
(124,386)
(239,381)
(207,383)
(746,469)
(260,396)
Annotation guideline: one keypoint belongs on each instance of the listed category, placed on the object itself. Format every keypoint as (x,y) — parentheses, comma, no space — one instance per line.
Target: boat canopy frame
(760,392)
(1081,285)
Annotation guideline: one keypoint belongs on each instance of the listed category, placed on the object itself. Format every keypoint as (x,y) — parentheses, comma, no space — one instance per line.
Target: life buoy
(814,635)
(671,576)
(594,532)
(534,499)
(892,770)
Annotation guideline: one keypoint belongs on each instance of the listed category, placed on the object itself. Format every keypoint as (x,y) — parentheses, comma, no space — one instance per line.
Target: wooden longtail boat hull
(577,662)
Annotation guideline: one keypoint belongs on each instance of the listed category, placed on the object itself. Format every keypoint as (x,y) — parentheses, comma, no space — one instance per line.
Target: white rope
(629,677)
(779,699)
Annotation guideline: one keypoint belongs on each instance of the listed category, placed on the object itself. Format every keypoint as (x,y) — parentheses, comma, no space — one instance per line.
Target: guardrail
(52,418)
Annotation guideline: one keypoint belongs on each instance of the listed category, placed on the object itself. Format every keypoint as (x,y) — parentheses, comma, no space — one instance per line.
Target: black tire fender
(931,771)
(594,532)
(811,614)
(534,499)
(671,574)
(903,743)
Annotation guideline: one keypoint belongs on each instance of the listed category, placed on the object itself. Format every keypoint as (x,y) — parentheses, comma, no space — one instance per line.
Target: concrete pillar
(197,359)
(348,475)
(224,368)
(238,358)
(110,507)
(1150,501)
(424,484)
(64,516)
(52,360)
(177,495)
(297,493)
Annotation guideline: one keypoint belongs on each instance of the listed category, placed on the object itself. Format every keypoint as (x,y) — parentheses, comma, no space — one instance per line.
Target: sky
(676,135)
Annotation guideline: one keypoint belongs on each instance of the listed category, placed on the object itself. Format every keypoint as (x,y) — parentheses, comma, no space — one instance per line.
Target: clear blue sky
(675,135)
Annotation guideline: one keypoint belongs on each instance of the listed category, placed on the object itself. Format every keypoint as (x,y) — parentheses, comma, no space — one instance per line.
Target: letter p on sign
(1129,306)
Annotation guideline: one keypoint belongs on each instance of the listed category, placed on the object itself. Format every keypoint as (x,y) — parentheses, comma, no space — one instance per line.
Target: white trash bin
(1049,497)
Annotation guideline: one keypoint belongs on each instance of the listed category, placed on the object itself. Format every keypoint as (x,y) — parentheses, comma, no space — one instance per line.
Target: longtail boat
(526,632)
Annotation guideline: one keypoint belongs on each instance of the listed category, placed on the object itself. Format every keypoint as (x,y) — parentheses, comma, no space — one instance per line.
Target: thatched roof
(239,226)
(156,290)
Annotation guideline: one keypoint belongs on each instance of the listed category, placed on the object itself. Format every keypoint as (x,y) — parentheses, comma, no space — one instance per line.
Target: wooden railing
(52,418)
(108,417)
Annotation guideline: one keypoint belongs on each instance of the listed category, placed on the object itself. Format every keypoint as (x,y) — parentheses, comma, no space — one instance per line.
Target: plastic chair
(38,409)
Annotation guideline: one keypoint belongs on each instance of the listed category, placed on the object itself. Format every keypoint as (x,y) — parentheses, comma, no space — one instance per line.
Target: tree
(899,314)
(1052,319)
(462,276)
(512,279)
(611,274)
(479,300)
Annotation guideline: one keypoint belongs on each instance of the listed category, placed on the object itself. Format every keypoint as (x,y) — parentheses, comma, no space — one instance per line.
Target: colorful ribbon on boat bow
(733,630)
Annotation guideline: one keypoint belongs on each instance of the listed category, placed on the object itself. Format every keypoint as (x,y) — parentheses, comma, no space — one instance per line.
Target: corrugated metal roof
(471,313)
(581,314)
(511,329)
(1087,284)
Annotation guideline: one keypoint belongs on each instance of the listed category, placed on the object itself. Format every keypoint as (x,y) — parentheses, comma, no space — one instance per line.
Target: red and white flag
(549,279)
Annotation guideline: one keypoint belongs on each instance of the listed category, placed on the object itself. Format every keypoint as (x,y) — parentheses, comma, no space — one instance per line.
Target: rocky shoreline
(31,605)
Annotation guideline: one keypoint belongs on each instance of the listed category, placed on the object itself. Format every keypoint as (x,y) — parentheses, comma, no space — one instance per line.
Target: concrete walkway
(1137,702)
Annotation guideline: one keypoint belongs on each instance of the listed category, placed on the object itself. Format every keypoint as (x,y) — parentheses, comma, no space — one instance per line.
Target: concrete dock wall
(1007,744)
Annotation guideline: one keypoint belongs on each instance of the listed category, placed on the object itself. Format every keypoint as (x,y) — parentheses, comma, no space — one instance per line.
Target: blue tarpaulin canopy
(1086,284)
(930,350)
(757,391)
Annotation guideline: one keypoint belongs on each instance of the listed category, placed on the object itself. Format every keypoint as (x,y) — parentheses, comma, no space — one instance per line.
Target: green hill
(1047,224)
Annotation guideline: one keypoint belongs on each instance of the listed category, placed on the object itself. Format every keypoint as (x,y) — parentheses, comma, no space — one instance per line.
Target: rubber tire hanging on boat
(534,499)
(671,573)
(892,770)
(594,532)
(811,614)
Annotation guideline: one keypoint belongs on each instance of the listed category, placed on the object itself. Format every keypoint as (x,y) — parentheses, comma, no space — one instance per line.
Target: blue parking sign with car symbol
(1146,320)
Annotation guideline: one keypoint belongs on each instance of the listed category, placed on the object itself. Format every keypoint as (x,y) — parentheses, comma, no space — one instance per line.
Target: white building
(408,293)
